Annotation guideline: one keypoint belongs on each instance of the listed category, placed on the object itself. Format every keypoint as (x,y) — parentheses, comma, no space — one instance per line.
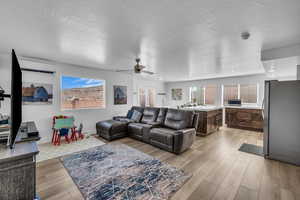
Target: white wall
(42,114)
(232,80)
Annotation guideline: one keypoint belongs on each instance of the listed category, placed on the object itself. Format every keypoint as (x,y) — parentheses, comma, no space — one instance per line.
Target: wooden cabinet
(244,118)
(209,121)
(17,171)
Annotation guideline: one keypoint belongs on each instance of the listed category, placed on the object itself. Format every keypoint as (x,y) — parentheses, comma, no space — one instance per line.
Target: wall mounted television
(16,99)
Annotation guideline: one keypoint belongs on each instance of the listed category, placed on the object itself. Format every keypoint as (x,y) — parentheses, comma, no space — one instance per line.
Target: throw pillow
(136,116)
(129,114)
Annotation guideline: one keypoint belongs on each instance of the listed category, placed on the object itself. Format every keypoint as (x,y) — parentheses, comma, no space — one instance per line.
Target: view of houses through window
(82,93)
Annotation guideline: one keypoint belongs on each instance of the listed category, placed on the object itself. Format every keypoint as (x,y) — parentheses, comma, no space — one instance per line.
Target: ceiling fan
(138,68)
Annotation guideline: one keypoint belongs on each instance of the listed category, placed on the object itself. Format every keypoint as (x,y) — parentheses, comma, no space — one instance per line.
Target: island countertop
(203,108)
(246,107)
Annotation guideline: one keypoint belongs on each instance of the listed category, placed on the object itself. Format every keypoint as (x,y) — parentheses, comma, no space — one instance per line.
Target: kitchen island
(244,117)
(210,119)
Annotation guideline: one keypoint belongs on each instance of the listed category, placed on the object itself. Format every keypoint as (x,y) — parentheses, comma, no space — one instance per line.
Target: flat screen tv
(16,99)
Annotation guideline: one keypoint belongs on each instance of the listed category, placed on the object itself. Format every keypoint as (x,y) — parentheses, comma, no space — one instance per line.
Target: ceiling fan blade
(148,72)
(124,70)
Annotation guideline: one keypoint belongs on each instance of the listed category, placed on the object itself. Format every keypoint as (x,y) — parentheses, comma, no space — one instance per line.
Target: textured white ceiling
(179,40)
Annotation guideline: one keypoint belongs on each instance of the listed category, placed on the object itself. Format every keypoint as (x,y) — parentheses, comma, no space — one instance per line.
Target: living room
(97,103)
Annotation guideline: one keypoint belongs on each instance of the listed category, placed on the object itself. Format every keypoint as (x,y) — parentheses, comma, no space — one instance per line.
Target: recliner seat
(177,134)
(141,130)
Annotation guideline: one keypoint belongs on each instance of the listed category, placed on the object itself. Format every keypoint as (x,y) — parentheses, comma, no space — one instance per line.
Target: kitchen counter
(245,107)
(244,117)
(203,108)
(210,118)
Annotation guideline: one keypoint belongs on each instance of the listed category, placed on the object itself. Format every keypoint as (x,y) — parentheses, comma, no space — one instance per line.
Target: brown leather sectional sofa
(169,129)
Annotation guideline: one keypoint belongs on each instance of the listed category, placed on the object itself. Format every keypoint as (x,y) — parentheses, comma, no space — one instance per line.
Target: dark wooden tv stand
(18,171)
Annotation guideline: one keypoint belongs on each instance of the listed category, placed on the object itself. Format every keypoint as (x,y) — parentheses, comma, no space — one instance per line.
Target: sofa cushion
(140,131)
(135,128)
(162,115)
(150,115)
(111,126)
(179,119)
(129,114)
(111,129)
(136,116)
(137,108)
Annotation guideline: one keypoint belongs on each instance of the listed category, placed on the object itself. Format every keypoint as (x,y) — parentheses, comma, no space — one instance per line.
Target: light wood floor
(219,170)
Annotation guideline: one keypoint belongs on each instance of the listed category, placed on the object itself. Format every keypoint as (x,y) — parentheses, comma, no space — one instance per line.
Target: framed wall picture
(37,93)
(120,95)
(176,94)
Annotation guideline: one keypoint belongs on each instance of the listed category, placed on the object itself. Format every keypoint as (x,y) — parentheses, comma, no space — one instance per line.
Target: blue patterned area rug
(117,171)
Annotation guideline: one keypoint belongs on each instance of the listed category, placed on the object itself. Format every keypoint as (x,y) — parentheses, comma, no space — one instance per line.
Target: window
(203,95)
(230,92)
(142,97)
(210,92)
(151,97)
(248,93)
(82,93)
(147,97)
(196,95)
(193,94)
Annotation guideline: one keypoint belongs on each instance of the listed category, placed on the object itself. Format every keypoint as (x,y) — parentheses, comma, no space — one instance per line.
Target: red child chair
(79,132)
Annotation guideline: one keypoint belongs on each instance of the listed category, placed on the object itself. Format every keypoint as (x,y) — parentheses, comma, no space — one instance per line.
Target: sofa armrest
(183,139)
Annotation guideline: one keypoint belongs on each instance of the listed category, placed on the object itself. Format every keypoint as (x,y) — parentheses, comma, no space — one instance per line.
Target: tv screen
(16,99)
(82,93)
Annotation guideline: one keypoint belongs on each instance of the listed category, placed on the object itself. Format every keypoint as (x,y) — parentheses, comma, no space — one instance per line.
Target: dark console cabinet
(209,121)
(17,171)
(244,118)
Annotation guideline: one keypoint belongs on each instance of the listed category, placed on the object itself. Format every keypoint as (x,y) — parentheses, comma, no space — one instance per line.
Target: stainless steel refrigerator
(282,121)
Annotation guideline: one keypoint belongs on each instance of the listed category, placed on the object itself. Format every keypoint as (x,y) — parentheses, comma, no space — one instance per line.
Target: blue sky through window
(68,82)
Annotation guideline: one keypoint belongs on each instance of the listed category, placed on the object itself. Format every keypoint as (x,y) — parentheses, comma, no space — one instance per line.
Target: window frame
(76,76)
